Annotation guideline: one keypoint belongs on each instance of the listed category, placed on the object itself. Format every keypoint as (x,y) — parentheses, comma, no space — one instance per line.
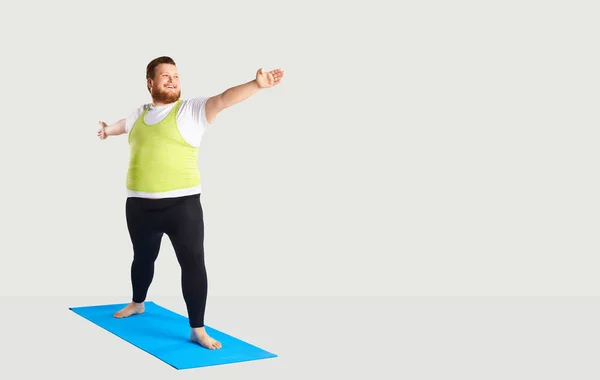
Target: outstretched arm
(233,95)
(115,129)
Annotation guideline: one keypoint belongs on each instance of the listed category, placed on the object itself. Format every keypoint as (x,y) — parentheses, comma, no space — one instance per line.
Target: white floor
(328,338)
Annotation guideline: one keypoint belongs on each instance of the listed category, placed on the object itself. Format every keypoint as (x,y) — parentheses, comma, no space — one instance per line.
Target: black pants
(181,219)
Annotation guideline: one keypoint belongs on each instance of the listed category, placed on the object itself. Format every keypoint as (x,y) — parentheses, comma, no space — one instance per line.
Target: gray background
(413,149)
(432,149)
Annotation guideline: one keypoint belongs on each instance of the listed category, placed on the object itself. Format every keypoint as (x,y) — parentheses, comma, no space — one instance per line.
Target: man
(163,183)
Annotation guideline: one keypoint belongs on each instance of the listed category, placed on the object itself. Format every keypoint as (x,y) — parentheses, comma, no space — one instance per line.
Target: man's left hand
(266,79)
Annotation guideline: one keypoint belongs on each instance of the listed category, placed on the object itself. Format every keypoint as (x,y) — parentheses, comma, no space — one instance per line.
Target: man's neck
(157,103)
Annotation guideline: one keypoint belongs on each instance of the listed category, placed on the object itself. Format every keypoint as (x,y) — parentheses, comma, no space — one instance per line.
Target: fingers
(101,133)
(277,75)
(272,77)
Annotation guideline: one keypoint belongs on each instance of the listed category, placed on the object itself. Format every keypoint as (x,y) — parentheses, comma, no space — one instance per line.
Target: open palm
(267,79)
(102,133)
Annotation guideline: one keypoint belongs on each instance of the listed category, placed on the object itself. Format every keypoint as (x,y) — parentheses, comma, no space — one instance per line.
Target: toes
(206,342)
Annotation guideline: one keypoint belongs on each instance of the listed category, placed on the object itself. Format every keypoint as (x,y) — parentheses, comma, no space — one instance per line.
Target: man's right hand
(102,133)
(115,129)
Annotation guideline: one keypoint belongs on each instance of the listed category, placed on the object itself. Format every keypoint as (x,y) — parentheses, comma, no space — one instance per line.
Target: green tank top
(160,159)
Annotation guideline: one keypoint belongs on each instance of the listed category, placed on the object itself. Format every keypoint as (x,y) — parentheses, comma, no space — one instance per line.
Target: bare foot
(200,336)
(132,308)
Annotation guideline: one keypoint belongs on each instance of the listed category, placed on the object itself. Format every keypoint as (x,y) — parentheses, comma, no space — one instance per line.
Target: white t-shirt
(192,123)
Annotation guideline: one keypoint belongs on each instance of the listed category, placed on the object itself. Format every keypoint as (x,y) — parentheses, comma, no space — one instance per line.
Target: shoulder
(194,110)
(131,119)
(140,109)
(193,103)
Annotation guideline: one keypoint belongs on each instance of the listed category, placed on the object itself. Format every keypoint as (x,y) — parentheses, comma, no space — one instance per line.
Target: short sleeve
(191,119)
(196,109)
(130,120)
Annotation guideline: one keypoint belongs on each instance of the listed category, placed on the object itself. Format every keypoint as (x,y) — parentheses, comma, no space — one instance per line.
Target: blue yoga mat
(165,335)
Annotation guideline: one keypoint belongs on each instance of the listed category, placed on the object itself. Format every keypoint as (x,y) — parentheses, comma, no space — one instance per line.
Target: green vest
(160,159)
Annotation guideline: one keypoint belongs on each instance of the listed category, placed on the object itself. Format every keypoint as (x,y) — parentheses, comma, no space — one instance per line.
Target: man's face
(165,87)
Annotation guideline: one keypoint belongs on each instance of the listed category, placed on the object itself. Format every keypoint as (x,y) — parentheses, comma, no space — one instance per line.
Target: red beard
(166,96)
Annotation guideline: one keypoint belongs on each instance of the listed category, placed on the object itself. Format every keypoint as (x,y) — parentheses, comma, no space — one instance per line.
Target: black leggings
(181,219)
